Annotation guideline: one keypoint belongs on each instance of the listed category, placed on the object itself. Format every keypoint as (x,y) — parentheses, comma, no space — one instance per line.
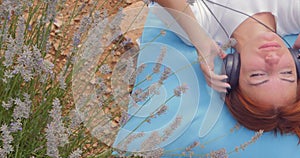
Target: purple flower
(124,118)
(165,75)
(105,69)
(6,141)
(16,126)
(76,154)
(22,108)
(160,58)
(180,90)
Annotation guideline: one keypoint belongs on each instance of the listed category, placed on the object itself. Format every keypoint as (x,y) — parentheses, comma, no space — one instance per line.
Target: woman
(267,95)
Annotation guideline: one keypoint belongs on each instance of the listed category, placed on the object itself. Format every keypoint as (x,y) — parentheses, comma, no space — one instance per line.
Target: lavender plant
(54,107)
(35,113)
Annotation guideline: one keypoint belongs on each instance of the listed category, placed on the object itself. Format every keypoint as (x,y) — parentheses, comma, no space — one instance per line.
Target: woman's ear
(297,43)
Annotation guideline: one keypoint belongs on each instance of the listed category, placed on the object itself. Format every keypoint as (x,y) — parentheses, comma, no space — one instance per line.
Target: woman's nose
(272,59)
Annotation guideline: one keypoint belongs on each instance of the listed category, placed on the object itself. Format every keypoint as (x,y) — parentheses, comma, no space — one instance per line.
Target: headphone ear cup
(296,56)
(231,68)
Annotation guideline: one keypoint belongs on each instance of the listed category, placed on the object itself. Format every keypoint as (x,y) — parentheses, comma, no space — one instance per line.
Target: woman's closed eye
(261,74)
(287,76)
(258,78)
(287,72)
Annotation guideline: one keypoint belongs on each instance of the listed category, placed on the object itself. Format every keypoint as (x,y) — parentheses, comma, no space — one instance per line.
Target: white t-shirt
(286,13)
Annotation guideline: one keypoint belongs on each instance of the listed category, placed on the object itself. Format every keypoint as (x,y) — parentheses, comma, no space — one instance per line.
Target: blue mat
(199,115)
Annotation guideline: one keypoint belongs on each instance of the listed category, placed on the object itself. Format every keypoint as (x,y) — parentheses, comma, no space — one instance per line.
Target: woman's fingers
(217,82)
(219,86)
(219,89)
(215,77)
(209,72)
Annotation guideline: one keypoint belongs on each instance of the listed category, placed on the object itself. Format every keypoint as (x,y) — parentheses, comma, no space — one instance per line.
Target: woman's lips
(270,46)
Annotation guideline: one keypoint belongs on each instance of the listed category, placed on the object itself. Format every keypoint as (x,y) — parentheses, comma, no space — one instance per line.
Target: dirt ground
(130,8)
(132,30)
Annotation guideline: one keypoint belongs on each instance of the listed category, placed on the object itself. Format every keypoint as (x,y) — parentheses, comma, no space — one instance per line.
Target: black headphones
(232,64)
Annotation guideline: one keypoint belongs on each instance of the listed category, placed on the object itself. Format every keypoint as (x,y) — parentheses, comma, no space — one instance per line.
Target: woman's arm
(207,49)
(184,16)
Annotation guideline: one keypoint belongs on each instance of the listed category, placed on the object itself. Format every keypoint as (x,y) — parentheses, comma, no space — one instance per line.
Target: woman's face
(268,72)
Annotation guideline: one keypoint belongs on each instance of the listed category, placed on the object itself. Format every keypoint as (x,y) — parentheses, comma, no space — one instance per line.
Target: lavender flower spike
(76,154)
(105,69)
(52,141)
(60,131)
(221,153)
(22,108)
(162,54)
(180,90)
(6,139)
(20,33)
(51,10)
(165,75)
(7,105)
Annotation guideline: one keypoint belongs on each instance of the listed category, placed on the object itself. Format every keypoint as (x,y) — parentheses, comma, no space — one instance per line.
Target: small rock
(77,19)
(56,45)
(129,1)
(57,23)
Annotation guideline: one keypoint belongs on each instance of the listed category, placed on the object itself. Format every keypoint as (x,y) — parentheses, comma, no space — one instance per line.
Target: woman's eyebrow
(288,80)
(259,83)
(265,81)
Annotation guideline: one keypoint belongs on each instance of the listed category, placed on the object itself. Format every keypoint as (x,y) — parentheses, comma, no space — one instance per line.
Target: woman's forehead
(272,94)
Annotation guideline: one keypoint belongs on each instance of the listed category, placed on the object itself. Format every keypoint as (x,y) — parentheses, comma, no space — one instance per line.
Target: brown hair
(285,119)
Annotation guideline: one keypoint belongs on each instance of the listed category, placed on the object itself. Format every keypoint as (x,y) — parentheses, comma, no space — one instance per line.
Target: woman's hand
(185,17)
(297,43)
(207,65)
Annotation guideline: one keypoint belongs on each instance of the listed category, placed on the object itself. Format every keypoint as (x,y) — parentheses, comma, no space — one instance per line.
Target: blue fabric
(205,119)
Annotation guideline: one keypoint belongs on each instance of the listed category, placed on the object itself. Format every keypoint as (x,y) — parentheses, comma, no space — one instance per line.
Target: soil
(58,33)
(112,6)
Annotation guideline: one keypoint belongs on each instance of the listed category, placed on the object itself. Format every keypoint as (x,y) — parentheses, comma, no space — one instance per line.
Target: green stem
(3,29)
(12,88)
(146,119)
